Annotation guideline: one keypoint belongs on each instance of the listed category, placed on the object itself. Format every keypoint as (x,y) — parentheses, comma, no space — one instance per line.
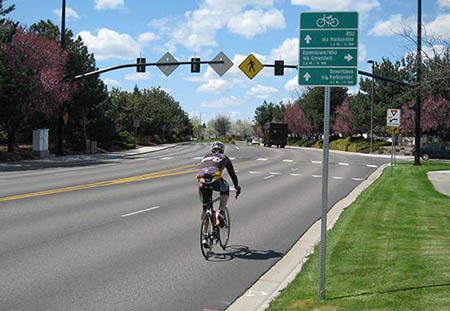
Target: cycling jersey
(217,162)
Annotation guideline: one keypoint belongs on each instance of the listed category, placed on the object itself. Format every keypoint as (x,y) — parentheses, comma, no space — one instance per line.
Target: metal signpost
(393,124)
(328,56)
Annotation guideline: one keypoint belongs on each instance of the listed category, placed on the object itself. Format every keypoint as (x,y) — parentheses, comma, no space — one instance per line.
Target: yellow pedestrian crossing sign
(251,66)
(394,129)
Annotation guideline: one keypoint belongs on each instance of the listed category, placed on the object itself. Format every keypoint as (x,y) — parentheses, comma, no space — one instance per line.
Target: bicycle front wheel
(224,230)
(206,236)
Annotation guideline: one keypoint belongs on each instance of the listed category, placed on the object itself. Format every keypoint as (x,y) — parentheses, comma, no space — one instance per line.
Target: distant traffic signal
(195,64)
(140,60)
(279,67)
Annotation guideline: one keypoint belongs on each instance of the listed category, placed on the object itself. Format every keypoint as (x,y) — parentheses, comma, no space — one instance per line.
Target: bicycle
(327,20)
(212,232)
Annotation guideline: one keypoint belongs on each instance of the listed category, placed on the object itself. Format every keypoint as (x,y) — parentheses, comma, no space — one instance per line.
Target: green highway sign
(328,49)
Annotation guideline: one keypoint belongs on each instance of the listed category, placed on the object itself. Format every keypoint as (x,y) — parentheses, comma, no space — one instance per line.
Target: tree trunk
(11,137)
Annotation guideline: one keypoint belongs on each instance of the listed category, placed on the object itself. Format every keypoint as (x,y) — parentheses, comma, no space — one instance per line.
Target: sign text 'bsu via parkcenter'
(328,49)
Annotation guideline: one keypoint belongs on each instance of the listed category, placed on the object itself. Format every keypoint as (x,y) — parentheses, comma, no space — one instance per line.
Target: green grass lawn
(390,250)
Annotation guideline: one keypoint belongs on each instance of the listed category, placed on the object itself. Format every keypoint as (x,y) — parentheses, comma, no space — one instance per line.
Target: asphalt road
(123,234)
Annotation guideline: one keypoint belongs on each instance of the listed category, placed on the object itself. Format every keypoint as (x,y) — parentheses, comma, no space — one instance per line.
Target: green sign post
(328,46)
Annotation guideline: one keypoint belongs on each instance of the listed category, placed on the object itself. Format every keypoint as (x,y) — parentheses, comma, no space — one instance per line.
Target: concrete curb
(268,287)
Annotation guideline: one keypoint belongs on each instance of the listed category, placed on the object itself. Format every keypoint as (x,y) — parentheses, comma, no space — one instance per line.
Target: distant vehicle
(256,141)
(275,134)
(435,151)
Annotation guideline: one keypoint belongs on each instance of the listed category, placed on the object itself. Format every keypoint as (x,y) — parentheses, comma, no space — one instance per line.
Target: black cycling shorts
(205,190)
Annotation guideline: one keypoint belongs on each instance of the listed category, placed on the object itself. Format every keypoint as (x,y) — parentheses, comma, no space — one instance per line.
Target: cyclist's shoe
(205,243)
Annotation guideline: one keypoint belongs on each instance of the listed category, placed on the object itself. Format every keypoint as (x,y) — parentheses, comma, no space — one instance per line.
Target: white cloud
(215,86)
(199,27)
(111,82)
(396,24)
(253,22)
(287,51)
(292,85)
(109,4)
(261,91)
(147,37)
(363,6)
(444,4)
(362,52)
(439,28)
(70,13)
(138,76)
(222,102)
(110,44)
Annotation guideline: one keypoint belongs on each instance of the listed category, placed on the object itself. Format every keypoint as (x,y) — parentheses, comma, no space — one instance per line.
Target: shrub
(126,140)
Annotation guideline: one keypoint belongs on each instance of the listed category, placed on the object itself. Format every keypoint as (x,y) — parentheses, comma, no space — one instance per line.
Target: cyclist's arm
(232,174)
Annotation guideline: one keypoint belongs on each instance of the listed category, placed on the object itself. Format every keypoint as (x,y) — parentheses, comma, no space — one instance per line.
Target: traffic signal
(195,64)
(279,67)
(140,60)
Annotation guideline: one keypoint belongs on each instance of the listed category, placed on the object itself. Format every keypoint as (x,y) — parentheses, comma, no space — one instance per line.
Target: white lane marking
(166,158)
(371,165)
(343,163)
(232,158)
(141,211)
(358,179)
(316,176)
(274,173)
(337,177)
(253,172)
(270,176)
(237,148)
(287,160)
(316,162)
(237,171)
(293,174)
(294,169)
(261,159)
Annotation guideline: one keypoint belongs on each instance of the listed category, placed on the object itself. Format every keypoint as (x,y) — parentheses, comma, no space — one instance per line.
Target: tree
(435,117)
(86,118)
(241,128)
(295,119)
(222,125)
(269,112)
(312,104)
(196,126)
(35,85)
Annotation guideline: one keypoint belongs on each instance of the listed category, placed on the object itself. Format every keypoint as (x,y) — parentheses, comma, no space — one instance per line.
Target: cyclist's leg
(224,193)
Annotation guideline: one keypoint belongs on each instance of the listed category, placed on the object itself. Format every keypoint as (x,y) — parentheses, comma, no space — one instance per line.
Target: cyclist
(212,165)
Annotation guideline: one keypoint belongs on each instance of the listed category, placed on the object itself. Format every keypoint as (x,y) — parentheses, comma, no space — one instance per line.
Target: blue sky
(118,31)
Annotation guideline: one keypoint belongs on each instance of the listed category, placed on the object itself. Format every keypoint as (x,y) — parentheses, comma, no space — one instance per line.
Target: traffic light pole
(96,72)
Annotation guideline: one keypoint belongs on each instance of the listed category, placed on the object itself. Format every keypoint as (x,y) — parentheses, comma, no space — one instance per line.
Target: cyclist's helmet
(217,146)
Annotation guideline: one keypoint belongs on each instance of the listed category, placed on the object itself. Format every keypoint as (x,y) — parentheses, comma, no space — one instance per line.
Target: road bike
(212,231)
(327,20)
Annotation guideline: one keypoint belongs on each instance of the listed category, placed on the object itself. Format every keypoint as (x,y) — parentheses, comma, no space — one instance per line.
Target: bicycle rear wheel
(224,230)
(206,233)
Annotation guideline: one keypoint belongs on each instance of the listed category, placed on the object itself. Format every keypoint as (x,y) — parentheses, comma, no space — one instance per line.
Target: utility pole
(418,84)
(63,46)
(371,109)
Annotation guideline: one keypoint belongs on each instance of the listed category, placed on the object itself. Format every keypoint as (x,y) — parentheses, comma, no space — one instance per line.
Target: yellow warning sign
(394,129)
(251,66)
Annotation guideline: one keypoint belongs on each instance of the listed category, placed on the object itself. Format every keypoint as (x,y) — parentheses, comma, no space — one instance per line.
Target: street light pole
(418,86)
(61,120)
(371,108)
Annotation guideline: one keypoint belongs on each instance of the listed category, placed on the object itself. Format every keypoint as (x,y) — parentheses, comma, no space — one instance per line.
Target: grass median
(390,250)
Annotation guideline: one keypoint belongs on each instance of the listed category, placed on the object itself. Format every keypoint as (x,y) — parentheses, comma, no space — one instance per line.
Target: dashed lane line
(141,211)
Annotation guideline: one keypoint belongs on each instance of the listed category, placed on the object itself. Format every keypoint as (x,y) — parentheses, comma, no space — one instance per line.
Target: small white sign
(393,117)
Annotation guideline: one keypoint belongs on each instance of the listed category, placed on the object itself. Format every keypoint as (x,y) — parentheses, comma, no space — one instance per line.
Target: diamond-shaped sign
(251,66)
(221,68)
(168,69)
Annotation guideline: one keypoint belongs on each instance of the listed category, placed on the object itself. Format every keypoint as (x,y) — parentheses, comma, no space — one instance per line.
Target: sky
(119,31)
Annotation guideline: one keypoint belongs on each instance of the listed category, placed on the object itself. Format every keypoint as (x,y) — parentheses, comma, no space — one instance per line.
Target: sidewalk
(79,158)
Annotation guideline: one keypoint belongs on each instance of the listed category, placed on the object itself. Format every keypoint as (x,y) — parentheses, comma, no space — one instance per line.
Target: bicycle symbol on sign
(327,20)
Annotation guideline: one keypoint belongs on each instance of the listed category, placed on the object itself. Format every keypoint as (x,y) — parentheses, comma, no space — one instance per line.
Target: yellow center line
(159,174)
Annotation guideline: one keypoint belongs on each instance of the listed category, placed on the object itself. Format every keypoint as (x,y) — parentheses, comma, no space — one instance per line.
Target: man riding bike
(211,168)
